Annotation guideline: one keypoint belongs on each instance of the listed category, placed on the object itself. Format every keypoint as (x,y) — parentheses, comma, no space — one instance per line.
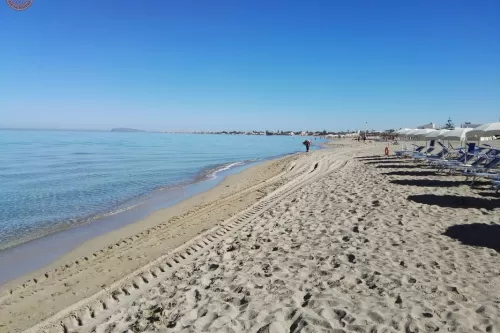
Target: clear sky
(249,64)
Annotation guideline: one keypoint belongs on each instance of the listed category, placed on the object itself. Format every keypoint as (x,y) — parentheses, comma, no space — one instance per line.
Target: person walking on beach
(307,143)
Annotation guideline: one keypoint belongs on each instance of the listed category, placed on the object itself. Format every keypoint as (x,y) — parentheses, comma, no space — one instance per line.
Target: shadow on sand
(491,194)
(369,157)
(372,159)
(399,166)
(410,173)
(429,182)
(385,161)
(477,234)
(454,201)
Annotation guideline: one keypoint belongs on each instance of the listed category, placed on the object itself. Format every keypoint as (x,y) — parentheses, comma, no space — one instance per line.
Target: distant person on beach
(307,143)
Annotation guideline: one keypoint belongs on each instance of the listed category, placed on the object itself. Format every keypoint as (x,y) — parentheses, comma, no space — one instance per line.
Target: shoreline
(207,174)
(75,188)
(246,186)
(69,238)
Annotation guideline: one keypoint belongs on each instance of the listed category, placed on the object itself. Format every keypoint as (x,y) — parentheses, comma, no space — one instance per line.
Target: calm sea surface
(53,180)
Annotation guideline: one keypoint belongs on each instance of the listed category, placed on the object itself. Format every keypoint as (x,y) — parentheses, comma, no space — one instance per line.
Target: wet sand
(40,252)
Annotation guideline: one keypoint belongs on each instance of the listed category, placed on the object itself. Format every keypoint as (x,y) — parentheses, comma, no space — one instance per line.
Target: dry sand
(340,241)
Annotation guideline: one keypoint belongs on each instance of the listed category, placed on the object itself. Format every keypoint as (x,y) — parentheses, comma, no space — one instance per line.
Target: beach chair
(478,161)
(427,151)
(444,151)
(443,164)
(496,185)
(483,171)
(406,153)
(460,157)
(475,162)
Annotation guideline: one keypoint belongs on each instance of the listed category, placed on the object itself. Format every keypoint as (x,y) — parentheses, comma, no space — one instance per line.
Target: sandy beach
(336,240)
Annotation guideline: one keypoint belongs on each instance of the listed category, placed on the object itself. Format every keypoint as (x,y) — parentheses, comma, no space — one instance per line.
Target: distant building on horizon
(468,124)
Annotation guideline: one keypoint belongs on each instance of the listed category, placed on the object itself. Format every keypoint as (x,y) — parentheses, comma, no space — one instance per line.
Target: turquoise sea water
(53,180)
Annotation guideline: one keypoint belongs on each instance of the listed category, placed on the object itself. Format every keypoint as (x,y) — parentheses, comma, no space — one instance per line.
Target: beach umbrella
(411,132)
(435,134)
(420,133)
(417,133)
(423,132)
(485,130)
(458,134)
(406,133)
(403,131)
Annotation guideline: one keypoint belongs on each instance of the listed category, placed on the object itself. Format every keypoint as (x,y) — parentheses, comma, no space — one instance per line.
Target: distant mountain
(126,130)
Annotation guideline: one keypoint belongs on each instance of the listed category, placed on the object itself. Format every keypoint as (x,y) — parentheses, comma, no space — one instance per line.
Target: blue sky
(249,64)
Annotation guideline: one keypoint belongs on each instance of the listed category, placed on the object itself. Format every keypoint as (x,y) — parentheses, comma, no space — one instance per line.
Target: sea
(51,181)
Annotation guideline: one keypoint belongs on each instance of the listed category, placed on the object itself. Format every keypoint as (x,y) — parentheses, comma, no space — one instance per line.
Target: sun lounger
(479,160)
(461,157)
(444,164)
(496,185)
(421,152)
(406,152)
(444,151)
(482,172)
(470,165)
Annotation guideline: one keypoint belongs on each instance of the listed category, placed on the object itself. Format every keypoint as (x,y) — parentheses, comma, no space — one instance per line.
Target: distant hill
(126,130)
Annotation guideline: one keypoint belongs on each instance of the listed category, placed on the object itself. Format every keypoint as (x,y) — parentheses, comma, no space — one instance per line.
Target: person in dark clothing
(307,143)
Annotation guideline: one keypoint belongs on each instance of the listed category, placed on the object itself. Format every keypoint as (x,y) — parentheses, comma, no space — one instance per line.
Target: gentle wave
(212,174)
(133,203)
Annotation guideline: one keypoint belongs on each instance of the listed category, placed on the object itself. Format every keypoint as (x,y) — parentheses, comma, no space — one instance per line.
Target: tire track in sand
(65,279)
(84,315)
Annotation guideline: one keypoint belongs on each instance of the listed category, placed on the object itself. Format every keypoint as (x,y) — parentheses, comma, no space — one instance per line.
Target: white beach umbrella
(421,133)
(404,134)
(425,131)
(458,134)
(403,131)
(485,130)
(407,133)
(411,132)
(435,134)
